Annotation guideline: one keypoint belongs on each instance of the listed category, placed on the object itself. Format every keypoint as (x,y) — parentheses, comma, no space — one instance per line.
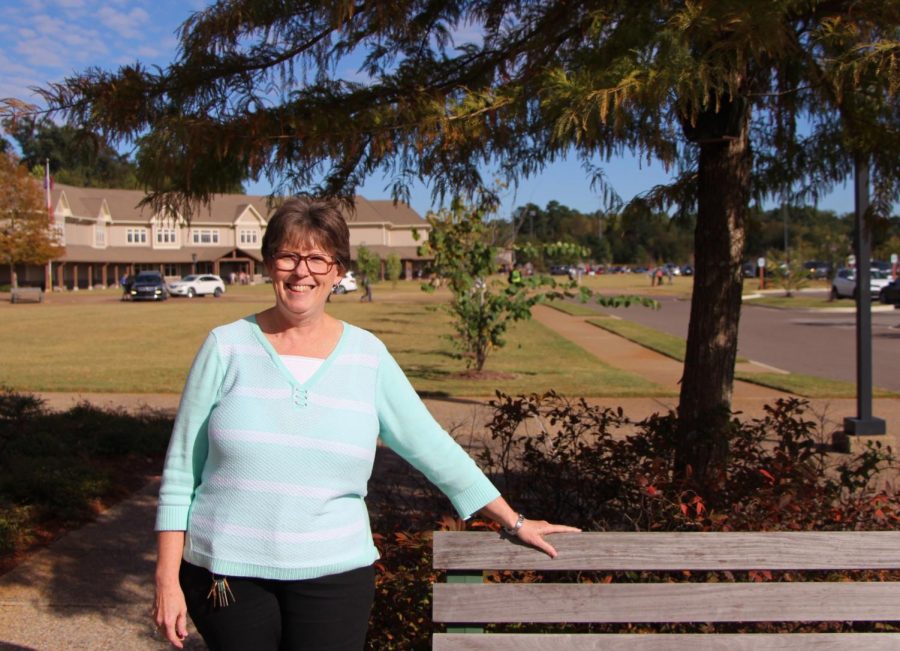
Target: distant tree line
(77,157)
(638,234)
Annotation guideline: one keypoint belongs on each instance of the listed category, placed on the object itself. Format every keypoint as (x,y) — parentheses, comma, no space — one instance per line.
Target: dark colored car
(890,294)
(817,269)
(149,286)
(687,270)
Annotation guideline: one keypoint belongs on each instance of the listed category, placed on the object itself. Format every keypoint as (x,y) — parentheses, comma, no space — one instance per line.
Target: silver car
(844,283)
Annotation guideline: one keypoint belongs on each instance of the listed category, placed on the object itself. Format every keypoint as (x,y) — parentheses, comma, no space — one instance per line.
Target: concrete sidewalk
(93,588)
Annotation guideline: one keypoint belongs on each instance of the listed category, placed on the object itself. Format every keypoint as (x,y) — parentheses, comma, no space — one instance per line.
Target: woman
(263,533)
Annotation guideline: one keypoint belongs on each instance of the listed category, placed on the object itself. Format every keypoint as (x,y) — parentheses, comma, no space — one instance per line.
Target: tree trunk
(706,387)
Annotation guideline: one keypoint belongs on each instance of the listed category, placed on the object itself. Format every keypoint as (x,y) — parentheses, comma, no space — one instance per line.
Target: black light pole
(864,424)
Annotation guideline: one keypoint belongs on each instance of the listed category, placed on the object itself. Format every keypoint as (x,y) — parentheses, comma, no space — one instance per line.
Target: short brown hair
(310,221)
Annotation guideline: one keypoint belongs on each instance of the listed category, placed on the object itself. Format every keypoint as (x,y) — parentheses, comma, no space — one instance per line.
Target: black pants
(330,613)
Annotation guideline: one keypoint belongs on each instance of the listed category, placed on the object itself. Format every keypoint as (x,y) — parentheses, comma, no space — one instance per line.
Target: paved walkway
(93,588)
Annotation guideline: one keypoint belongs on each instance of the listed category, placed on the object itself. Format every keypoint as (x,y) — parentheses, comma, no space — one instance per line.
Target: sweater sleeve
(410,430)
(189,444)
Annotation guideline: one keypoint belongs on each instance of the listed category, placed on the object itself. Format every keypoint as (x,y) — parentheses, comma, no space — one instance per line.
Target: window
(171,270)
(205,236)
(165,235)
(136,235)
(59,234)
(249,236)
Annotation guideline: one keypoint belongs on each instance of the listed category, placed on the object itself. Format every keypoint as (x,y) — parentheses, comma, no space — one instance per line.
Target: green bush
(57,468)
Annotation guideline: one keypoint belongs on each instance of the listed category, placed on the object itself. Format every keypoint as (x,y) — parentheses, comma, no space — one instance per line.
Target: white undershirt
(302,368)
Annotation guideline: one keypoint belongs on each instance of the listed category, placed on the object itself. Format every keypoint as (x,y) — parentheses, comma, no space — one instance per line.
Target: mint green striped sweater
(267,476)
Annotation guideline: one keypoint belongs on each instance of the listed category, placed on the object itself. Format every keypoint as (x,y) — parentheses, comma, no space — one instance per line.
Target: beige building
(106,236)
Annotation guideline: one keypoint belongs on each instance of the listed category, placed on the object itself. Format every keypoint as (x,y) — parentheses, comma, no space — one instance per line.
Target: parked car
(346,284)
(890,293)
(149,286)
(687,270)
(198,285)
(844,283)
(817,269)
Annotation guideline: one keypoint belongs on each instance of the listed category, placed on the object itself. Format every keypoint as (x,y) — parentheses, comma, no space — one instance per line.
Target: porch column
(407,270)
(103,275)
(60,278)
(90,276)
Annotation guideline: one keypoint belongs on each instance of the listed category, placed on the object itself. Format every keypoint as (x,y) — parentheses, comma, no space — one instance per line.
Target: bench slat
(804,550)
(665,642)
(667,602)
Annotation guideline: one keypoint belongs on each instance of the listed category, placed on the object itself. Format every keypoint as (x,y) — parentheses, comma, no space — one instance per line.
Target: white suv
(198,285)
(844,283)
(346,284)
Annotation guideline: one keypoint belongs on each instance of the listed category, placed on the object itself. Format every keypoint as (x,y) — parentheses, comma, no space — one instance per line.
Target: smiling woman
(261,508)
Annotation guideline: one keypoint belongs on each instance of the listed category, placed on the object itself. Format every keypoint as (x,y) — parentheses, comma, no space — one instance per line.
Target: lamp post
(864,424)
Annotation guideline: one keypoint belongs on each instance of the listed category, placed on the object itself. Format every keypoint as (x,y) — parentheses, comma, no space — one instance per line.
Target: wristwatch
(514,530)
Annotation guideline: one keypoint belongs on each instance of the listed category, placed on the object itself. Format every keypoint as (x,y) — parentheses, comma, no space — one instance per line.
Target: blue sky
(43,41)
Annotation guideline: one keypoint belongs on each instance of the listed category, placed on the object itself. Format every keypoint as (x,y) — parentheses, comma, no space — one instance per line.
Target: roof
(223,209)
(144,254)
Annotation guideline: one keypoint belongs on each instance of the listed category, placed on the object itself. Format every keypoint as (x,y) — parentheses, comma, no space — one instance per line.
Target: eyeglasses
(316,263)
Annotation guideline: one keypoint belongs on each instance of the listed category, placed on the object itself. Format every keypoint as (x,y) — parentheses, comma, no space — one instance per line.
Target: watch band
(514,530)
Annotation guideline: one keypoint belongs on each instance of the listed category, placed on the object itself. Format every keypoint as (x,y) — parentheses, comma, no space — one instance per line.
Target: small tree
(787,271)
(25,233)
(482,308)
(393,267)
(368,263)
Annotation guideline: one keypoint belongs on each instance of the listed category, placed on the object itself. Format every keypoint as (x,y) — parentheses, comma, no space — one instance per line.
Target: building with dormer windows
(107,236)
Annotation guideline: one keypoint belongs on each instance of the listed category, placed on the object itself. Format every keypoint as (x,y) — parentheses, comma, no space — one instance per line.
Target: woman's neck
(310,335)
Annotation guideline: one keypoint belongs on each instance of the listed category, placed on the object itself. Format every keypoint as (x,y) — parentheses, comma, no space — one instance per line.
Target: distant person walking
(367,289)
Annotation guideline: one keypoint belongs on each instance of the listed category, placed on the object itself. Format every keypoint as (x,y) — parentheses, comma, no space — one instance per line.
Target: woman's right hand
(169,607)
(170,613)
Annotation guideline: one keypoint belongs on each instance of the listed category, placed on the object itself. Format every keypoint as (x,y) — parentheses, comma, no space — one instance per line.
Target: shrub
(595,468)
(58,468)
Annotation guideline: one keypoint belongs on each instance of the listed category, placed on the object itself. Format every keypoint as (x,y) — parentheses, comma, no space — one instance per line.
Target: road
(800,341)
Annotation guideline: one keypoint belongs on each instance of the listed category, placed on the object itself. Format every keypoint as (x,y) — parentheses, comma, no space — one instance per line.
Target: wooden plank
(664,642)
(667,602)
(802,550)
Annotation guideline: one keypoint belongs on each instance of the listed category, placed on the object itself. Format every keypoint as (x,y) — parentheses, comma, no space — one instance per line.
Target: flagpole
(49,279)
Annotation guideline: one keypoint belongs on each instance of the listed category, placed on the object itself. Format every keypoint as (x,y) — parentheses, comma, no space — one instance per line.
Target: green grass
(103,345)
(574,309)
(796,302)
(808,386)
(661,342)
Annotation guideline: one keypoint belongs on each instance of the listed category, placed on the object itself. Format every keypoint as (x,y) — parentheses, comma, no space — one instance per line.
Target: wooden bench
(26,295)
(465,601)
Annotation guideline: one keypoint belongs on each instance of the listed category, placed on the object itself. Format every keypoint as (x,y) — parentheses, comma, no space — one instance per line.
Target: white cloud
(40,52)
(71,4)
(127,24)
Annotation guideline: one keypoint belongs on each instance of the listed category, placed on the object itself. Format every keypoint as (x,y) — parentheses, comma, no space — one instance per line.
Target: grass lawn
(95,343)
(797,302)
(575,309)
(661,342)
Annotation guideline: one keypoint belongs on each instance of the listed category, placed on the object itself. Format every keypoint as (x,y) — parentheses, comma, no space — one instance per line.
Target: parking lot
(814,342)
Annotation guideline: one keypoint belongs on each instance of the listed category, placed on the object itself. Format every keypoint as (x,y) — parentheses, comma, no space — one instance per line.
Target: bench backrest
(22,294)
(465,601)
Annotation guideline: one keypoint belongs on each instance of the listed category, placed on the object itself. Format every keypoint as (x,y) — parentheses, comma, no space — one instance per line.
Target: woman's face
(303,291)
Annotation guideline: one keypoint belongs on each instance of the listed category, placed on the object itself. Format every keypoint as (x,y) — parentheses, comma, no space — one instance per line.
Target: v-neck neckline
(282,367)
